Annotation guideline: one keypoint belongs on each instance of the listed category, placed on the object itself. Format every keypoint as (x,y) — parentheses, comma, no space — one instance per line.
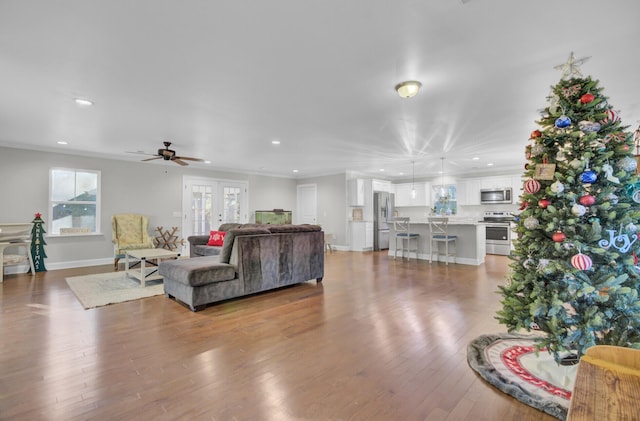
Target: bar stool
(439,233)
(402,228)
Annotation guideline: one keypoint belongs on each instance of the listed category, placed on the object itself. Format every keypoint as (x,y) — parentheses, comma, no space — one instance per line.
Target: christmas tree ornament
(543,203)
(535,134)
(534,326)
(623,148)
(558,236)
(636,196)
(627,164)
(568,246)
(616,137)
(537,149)
(570,91)
(578,210)
(560,156)
(598,145)
(532,186)
(611,117)
(554,103)
(524,205)
(587,98)
(589,126)
(576,164)
(531,222)
(631,227)
(612,198)
(581,261)
(588,177)
(587,200)
(620,241)
(608,174)
(562,122)
(557,187)
(529,263)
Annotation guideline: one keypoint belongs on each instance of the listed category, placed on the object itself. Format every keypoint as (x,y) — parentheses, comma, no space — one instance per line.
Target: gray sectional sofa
(253,258)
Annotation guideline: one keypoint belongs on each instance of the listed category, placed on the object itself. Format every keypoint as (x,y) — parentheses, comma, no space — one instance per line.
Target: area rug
(110,288)
(509,362)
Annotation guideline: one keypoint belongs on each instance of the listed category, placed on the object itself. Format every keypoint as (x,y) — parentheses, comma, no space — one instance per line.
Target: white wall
(332,202)
(151,188)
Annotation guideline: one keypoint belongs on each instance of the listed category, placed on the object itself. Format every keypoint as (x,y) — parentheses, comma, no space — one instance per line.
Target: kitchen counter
(470,242)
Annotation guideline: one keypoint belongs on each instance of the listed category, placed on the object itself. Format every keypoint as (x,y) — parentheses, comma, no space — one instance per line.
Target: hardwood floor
(377,340)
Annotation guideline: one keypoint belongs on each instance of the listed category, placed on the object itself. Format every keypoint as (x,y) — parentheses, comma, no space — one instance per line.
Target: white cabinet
(355,192)
(517,185)
(404,196)
(382,185)
(468,191)
(495,182)
(361,236)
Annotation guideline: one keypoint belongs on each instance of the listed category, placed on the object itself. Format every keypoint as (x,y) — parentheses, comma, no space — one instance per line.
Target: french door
(207,203)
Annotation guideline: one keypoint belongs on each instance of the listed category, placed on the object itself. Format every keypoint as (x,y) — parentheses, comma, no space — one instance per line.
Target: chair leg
(115,263)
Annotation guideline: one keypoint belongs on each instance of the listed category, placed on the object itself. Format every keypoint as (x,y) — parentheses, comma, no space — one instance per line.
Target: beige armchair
(130,232)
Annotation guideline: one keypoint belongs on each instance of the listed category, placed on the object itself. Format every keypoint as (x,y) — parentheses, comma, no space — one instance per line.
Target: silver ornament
(576,164)
(537,149)
(612,198)
(557,187)
(627,164)
(531,222)
(631,227)
(578,210)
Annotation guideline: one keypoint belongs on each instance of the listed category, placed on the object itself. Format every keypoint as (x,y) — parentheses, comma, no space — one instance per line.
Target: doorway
(306,202)
(207,203)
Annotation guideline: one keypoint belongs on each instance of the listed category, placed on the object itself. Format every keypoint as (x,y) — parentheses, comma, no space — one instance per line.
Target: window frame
(53,203)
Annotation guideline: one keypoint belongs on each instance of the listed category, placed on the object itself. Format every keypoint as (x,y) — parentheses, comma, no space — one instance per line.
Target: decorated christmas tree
(38,243)
(574,271)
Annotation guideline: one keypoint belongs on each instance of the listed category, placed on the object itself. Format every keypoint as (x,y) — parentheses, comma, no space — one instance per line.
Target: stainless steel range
(498,228)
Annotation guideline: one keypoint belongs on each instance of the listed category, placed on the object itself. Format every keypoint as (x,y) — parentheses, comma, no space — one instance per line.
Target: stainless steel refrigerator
(383,206)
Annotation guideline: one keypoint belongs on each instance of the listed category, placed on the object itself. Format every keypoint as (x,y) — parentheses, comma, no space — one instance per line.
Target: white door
(207,203)
(307,204)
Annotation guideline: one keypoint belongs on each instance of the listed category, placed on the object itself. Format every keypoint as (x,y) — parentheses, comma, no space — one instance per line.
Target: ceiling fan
(170,155)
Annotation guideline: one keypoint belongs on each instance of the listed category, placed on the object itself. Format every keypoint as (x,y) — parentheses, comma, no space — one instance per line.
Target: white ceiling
(222,79)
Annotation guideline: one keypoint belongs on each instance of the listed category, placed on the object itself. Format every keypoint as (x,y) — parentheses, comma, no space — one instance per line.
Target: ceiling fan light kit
(408,89)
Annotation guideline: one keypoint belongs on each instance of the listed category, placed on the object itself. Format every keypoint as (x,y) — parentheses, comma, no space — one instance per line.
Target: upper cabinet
(495,182)
(355,192)
(382,185)
(468,191)
(404,195)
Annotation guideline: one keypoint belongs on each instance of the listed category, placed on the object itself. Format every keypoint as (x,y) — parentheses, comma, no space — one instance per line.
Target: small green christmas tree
(38,243)
(574,271)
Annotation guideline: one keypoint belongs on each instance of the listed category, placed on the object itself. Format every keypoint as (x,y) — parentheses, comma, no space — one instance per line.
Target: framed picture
(544,171)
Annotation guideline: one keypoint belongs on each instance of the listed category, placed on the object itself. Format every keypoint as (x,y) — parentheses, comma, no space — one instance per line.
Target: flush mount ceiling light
(83,102)
(408,89)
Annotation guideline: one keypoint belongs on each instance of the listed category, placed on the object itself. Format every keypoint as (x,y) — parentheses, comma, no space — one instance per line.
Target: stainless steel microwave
(495,196)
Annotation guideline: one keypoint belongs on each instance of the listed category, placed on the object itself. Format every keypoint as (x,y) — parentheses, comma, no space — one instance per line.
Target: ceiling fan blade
(186,158)
(151,159)
(179,161)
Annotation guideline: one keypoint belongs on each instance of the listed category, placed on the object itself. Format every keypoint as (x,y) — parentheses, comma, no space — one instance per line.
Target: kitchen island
(470,243)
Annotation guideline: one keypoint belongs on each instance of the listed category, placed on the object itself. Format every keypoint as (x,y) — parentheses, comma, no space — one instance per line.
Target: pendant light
(413,179)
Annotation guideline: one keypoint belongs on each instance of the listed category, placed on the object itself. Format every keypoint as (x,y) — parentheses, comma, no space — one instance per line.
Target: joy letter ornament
(620,242)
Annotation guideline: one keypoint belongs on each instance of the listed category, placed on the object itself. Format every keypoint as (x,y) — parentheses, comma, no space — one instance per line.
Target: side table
(144,255)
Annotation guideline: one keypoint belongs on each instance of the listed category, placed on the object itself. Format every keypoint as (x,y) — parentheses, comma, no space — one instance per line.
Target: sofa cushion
(229,226)
(293,228)
(225,254)
(197,271)
(216,238)
(204,250)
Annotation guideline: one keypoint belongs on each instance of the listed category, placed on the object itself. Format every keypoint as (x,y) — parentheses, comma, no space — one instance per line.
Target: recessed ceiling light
(475,158)
(490,164)
(295,170)
(275,142)
(408,89)
(207,162)
(381,169)
(401,173)
(83,102)
(62,142)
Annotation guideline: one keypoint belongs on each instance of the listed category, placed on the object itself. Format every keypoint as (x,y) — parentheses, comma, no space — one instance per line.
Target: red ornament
(581,261)
(535,134)
(623,148)
(558,236)
(587,200)
(543,203)
(587,98)
(531,186)
(524,205)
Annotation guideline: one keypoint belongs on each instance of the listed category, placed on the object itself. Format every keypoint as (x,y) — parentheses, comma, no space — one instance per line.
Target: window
(74,201)
(446,202)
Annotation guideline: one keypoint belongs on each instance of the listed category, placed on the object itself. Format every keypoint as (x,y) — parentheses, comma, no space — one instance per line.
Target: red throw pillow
(216,238)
